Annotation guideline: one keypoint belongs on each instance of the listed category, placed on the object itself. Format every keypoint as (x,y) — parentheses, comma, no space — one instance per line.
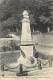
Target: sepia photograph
(26,39)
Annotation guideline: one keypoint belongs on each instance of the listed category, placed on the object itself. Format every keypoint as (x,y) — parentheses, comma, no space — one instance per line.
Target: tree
(11,13)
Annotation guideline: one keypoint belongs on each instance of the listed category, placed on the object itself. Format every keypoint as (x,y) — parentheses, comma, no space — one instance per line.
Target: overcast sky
(1,1)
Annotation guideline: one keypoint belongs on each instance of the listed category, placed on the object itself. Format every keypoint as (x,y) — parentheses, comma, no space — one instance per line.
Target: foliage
(11,14)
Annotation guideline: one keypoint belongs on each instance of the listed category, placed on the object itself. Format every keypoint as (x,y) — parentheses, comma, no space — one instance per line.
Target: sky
(1,1)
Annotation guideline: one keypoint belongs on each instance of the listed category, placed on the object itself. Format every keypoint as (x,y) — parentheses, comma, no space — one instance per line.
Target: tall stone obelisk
(26,40)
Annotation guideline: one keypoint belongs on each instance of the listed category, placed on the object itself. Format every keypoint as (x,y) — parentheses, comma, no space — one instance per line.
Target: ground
(45,73)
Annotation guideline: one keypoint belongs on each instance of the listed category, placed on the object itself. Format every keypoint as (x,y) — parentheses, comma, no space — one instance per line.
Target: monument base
(21,72)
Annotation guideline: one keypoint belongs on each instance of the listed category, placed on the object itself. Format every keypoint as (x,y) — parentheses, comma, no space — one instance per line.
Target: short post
(39,63)
(21,68)
(50,62)
(2,69)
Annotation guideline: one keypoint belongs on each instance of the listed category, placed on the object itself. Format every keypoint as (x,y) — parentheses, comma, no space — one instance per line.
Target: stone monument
(26,54)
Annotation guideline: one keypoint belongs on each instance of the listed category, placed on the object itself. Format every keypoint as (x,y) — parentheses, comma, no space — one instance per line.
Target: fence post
(50,62)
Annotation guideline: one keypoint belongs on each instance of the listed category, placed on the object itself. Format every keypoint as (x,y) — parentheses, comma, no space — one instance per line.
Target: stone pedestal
(26,41)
